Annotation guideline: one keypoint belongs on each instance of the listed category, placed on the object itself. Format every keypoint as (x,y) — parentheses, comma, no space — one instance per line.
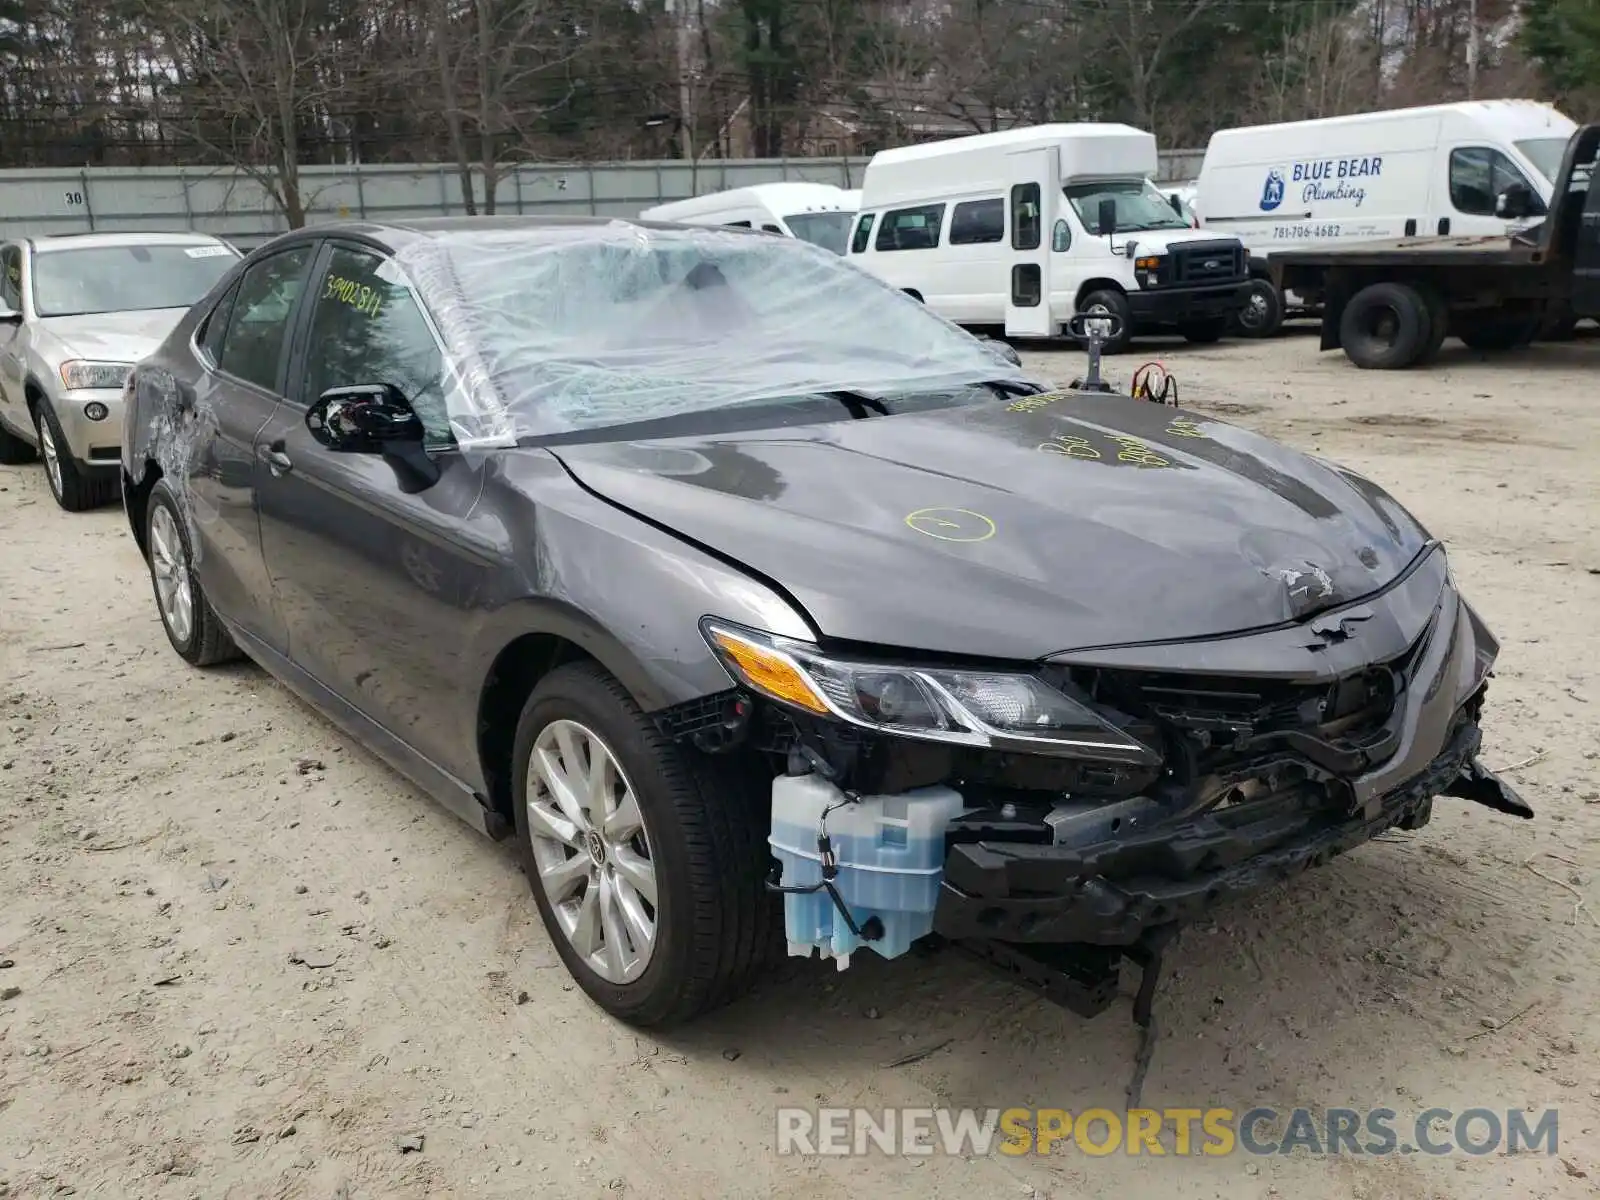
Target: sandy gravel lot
(250,958)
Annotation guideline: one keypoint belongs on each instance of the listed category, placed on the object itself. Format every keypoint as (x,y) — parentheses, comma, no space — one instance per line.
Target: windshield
(103,279)
(1140,205)
(830,230)
(553,331)
(1545,154)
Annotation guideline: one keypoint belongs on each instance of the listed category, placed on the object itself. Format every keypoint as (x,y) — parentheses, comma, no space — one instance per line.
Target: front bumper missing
(1114,892)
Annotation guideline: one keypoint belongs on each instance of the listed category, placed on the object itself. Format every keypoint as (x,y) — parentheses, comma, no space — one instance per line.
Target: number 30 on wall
(74,199)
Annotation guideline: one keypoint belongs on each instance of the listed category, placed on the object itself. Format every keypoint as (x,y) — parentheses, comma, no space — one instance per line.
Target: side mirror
(1514,203)
(1107,217)
(375,418)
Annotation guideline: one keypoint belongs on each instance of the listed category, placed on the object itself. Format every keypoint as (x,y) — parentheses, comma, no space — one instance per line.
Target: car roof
(396,234)
(78,241)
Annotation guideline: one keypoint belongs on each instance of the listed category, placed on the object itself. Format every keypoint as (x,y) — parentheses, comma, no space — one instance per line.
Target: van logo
(1213,263)
(1272,192)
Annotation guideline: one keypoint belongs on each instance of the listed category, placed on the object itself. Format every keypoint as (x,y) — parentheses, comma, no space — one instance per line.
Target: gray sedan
(710,569)
(76,313)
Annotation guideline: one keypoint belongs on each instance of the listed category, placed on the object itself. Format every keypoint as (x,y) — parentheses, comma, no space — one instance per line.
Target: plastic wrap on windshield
(557,329)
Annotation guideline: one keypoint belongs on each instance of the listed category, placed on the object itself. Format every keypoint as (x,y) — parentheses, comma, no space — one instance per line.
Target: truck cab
(1025,228)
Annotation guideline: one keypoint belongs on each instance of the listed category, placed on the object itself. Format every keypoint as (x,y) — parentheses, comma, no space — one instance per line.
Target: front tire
(1109,302)
(74,489)
(192,625)
(1262,314)
(647,864)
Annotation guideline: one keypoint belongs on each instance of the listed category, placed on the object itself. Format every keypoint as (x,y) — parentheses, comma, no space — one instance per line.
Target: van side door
(1032,201)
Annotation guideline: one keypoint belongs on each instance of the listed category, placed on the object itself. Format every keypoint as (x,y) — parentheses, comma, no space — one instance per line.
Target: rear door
(243,346)
(1031,208)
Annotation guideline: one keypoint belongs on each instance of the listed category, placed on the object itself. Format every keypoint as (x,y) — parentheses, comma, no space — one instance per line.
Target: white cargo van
(1434,171)
(1026,227)
(812,212)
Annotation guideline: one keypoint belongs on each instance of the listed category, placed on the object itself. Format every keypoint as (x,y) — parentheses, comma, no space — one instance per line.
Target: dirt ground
(250,958)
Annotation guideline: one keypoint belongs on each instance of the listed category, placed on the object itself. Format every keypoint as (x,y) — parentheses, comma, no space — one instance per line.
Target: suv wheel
(187,616)
(648,866)
(73,489)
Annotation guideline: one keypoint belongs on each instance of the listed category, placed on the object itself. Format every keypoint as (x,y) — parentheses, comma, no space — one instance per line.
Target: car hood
(112,337)
(1017,530)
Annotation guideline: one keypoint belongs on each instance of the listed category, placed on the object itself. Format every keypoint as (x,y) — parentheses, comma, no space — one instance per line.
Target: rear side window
(978,222)
(1025,224)
(911,228)
(11,278)
(259,323)
(863,236)
(217,325)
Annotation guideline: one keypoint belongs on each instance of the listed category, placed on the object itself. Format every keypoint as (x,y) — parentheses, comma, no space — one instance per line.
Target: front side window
(1140,206)
(133,278)
(911,228)
(859,243)
(11,278)
(367,328)
(1478,174)
(262,307)
(978,222)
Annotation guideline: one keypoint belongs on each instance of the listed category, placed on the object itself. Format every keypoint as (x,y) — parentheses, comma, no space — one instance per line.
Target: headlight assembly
(80,374)
(999,710)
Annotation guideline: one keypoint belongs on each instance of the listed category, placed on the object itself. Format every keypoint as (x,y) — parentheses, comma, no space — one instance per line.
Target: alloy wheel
(52,458)
(591,850)
(169,564)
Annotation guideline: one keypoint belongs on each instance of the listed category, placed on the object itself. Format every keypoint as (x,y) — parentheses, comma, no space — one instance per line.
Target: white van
(1005,229)
(1434,171)
(812,212)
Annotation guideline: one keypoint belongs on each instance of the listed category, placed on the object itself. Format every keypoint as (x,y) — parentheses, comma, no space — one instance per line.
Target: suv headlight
(995,709)
(80,373)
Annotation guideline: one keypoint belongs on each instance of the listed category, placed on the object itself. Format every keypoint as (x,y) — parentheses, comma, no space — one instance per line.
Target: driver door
(375,585)
(1030,206)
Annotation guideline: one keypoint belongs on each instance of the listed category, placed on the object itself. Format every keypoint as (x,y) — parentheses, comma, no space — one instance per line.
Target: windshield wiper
(859,402)
(1012,387)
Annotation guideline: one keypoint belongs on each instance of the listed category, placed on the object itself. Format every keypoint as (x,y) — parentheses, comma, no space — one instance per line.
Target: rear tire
(1111,302)
(1384,327)
(1496,332)
(701,830)
(1203,333)
(13,450)
(74,489)
(1262,314)
(191,623)
(1438,324)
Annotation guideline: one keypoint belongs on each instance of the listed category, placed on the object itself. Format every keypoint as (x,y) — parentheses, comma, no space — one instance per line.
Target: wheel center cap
(596,847)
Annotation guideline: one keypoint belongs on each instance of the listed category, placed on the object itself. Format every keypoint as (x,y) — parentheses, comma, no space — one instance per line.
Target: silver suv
(76,313)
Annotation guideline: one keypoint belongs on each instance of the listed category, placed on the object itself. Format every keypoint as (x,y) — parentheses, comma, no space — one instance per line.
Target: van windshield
(1545,154)
(830,230)
(1140,205)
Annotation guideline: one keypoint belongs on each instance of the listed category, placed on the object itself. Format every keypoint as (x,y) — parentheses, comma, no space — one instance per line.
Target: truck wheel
(1495,332)
(1204,332)
(1262,314)
(1385,327)
(1438,323)
(1107,302)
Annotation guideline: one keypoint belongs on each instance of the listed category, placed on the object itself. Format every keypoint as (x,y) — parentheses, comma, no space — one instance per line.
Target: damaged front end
(1055,819)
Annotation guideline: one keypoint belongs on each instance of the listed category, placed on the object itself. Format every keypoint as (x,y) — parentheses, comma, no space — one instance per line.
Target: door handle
(277,461)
